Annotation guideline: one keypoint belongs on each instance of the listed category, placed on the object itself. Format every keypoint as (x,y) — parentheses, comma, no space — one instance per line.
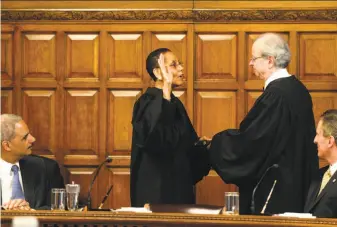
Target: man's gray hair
(8,122)
(274,45)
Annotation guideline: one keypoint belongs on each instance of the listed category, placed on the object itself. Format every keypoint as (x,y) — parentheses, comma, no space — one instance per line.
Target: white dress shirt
(333,168)
(6,176)
(280,73)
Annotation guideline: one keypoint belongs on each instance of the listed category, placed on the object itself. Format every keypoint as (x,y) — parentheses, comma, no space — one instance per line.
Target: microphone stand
(271,191)
(252,207)
(107,160)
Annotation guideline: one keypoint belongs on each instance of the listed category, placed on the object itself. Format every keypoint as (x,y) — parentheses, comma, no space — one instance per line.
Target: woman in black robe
(166,158)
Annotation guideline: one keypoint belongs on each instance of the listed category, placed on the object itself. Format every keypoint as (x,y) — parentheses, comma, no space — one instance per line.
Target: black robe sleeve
(241,155)
(200,164)
(155,125)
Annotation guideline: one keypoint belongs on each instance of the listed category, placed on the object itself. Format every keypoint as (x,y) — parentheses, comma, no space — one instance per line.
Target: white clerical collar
(280,73)
(333,168)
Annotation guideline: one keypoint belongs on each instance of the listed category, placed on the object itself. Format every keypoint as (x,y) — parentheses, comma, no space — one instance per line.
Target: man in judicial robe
(277,132)
(166,160)
(322,196)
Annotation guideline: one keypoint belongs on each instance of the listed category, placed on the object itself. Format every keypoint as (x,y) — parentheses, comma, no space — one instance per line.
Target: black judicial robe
(165,163)
(279,129)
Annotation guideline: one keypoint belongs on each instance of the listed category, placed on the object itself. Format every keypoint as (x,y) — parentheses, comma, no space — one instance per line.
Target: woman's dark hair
(152,61)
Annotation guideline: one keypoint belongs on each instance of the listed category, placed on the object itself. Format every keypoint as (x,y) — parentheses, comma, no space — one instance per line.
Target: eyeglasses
(253,59)
(176,64)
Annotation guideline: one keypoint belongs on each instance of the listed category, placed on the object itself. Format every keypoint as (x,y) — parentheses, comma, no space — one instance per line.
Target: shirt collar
(6,167)
(333,168)
(280,73)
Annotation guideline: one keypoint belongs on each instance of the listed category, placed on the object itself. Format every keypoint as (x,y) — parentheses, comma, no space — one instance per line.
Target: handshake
(204,141)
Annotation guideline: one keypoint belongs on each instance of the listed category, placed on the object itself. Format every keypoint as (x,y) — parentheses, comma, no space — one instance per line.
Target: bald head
(271,44)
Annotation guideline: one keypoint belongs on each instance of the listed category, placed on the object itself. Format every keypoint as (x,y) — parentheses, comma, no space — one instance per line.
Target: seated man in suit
(26,180)
(322,195)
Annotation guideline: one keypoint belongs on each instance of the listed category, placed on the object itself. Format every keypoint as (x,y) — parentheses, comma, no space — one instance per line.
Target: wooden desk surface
(102,219)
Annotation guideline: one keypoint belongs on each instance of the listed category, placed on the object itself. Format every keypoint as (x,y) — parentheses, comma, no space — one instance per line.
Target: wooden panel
(318,56)
(6,101)
(251,98)
(215,111)
(39,113)
(119,124)
(120,194)
(216,56)
(39,56)
(6,56)
(323,101)
(83,177)
(81,123)
(177,43)
(82,56)
(211,190)
(251,37)
(125,56)
(182,97)
(210,121)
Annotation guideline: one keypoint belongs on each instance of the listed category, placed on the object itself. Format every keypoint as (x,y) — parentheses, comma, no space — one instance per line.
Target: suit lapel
(27,181)
(312,194)
(332,181)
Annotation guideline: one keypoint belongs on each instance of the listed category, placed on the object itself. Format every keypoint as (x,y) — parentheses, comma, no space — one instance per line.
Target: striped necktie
(17,192)
(325,180)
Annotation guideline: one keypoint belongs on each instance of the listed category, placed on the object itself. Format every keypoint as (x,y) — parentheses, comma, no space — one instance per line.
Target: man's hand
(205,138)
(204,141)
(17,204)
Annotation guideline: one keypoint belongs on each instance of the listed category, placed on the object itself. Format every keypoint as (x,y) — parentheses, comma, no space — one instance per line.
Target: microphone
(252,207)
(271,191)
(107,160)
(105,197)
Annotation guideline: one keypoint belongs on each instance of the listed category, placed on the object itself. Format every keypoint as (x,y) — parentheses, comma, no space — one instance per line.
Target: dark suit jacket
(39,176)
(325,205)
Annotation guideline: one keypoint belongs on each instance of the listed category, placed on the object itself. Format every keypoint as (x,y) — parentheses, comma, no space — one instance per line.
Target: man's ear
(332,141)
(5,145)
(271,61)
(157,73)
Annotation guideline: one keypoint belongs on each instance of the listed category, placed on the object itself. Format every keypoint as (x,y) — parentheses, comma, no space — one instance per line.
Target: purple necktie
(17,192)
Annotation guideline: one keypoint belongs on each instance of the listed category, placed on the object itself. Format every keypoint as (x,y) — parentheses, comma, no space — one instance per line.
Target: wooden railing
(119,219)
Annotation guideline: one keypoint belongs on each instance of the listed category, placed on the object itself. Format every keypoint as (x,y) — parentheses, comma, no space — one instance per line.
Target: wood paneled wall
(75,84)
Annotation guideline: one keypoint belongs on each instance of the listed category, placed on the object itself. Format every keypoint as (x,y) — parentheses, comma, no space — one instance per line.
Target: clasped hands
(17,204)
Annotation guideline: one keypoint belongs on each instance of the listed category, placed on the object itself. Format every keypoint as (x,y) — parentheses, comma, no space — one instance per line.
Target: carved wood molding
(328,15)
(171,217)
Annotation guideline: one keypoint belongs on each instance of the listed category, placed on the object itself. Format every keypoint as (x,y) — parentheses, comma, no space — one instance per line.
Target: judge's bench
(160,216)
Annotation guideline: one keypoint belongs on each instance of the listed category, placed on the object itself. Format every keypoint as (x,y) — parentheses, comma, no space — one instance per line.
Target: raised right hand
(166,72)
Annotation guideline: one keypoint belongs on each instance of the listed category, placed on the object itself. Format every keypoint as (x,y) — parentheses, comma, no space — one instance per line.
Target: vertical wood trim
(59,96)
(336,56)
(103,101)
(17,73)
(293,43)
(190,71)
(103,177)
(242,71)
(147,43)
